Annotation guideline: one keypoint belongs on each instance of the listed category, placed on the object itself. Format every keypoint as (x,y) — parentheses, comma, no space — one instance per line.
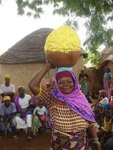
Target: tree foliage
(93,58)
(98,17)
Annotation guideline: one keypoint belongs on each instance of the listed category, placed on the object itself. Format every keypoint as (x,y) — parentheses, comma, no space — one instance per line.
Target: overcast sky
(13,27)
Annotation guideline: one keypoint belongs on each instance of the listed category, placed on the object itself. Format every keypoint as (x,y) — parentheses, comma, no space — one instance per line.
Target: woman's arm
(34,84)
(92,133)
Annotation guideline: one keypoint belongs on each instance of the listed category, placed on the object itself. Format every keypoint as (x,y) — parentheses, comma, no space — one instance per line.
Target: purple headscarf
(75,100)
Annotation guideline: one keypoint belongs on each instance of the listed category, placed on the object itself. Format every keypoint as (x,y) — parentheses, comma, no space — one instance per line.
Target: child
(41,112)
(36,125)
(99,114)
(103,98)
(107,125)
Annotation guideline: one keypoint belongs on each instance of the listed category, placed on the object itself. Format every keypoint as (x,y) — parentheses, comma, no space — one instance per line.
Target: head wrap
(111,102)
(107,106)
(63,74)
(7,76)
(76,100)
(65,69)
(107,69)
(6,98)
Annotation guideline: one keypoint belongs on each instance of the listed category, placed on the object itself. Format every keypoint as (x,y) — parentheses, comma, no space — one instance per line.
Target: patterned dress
(68,127)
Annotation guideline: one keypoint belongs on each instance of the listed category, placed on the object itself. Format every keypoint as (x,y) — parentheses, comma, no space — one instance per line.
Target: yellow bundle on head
(62,47)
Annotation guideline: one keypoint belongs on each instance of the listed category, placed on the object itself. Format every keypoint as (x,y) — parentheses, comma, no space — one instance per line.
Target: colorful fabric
(111,102)
(107,76)
(25,103)
(42,117)
(84,87)
(106,106)
(36,123)
(62,74)
(70,141)
(107,87)
(20,111)
(107,125)
(107,81)
(61,116)
(16,101)
(65,69)
(76,101)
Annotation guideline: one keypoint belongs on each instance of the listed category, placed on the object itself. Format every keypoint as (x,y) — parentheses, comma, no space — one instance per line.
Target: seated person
(36,125)
(7,89)
(41,112)
(107,126)
(99,114)
(7,113)
(103,98)
(24,112)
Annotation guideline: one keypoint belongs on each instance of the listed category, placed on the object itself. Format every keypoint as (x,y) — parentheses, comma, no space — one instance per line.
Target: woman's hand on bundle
(49,66)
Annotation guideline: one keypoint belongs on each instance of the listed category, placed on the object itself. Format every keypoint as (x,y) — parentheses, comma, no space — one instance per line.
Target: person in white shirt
(24,116)
(41,112)
(104,100)
(7,89)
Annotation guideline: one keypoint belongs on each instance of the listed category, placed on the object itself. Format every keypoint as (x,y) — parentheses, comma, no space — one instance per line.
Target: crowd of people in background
(21,111)
(102,105)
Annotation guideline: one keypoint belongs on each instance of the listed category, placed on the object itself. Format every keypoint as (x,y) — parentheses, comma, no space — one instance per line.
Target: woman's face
(66,85)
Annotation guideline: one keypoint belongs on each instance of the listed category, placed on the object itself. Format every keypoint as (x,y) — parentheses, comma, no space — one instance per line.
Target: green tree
(98,16)
(93,58)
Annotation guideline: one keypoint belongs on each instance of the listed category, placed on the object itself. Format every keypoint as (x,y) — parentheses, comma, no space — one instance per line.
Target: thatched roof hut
(106,60)
(27,50)
(106,56)
(23,60)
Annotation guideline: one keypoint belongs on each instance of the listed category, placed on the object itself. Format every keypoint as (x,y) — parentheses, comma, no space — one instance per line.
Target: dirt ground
(41,142)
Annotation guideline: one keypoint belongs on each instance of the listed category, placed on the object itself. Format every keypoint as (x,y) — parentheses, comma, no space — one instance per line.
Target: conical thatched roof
(28,50)
(106,55)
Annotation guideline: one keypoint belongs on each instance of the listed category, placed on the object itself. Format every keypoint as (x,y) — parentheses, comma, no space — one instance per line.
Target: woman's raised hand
(49,66)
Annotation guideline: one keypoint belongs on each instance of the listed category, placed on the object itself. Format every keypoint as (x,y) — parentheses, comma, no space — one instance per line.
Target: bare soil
(41,142)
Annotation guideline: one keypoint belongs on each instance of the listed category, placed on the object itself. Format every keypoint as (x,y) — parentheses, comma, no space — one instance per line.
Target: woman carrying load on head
(70,112)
